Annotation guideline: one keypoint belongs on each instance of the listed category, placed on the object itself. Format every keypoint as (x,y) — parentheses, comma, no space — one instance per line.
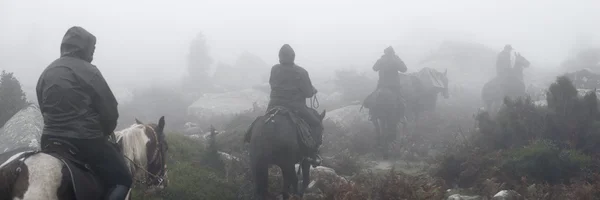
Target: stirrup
(316,161)
(119,192)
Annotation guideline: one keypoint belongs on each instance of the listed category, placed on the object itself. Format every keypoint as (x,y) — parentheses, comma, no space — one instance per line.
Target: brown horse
(34,175)
(275,140)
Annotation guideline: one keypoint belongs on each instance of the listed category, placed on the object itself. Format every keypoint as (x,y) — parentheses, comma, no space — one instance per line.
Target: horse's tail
(9,172)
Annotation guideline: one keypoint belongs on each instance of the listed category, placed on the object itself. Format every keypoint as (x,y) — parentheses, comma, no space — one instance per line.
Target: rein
(314,102)
(160,180)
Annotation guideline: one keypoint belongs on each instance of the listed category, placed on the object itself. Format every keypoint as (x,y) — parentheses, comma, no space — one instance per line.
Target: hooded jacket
(290,83)
(74,98)
(503,62)
(388,67)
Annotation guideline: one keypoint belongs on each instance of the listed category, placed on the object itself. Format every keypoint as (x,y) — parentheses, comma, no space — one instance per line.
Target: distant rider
(503,61)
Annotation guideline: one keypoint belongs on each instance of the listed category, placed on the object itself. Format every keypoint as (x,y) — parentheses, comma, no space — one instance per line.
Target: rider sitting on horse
(290,87)
(506,63)
(78,107)
(388,67)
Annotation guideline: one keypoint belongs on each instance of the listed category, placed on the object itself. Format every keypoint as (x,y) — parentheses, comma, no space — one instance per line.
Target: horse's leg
(385,138)
(393,135)
(305,176)
(377,130)
(261,179)
(289,179)
(417,113)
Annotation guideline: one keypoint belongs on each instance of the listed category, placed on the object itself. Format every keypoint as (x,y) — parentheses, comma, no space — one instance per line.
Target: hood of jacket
(78,43)
(286,55)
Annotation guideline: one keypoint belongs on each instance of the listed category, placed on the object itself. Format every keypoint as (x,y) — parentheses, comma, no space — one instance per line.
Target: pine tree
(12,97)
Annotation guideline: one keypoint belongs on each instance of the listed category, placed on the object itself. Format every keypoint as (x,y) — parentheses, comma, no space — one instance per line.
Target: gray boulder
(228,103)
(507,195)
(348,115)
(24,129)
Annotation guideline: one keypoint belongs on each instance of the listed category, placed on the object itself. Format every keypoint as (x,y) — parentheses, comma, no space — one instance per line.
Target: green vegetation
(12,97)
(536,150)
(189,175)
(542,152)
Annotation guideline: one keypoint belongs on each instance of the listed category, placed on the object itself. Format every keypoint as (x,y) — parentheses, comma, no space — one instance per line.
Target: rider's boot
(314,159)
(119,192)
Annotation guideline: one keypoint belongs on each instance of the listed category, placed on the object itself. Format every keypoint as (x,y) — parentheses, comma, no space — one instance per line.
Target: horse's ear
(161,123)
(322,115)
(137,121)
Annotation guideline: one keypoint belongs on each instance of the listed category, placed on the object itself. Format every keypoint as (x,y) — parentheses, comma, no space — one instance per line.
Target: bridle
(157,155)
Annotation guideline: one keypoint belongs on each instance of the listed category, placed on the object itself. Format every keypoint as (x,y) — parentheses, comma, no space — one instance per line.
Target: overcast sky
(143,40)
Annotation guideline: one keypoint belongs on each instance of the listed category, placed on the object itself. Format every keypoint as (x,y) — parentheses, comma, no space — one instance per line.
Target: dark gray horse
(512,86)
(274,140)
(386,111)
(419,92)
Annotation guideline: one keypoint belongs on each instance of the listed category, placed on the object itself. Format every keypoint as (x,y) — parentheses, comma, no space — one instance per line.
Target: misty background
(143,43)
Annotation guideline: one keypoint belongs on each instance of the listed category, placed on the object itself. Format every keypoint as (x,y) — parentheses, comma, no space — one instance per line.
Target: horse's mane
(133,142)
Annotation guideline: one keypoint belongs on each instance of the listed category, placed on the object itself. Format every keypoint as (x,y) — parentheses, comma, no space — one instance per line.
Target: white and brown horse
(33,175)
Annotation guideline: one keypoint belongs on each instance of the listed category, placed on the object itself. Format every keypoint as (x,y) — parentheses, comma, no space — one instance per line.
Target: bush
(392,185)
(543,161)
(188,177)
(518,122)
(525,143)
(211,156)
(12,97)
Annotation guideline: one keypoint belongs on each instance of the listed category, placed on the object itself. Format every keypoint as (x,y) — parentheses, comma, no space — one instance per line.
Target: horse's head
(156,151)
(321,117)
(444,77)
(521,62)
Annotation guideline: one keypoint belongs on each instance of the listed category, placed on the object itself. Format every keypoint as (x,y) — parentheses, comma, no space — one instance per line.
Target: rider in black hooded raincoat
(290,87)
(78,107)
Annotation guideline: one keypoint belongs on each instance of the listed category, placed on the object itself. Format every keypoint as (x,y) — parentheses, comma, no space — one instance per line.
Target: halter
(156,153)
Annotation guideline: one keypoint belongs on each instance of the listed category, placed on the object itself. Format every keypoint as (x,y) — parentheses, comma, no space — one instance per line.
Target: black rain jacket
(74,98)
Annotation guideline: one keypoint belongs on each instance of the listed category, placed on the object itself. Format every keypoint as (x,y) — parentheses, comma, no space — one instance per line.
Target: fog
(145,41)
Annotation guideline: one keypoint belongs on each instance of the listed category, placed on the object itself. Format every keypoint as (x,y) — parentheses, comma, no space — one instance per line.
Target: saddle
(383,99)
(303,129)
(84,181)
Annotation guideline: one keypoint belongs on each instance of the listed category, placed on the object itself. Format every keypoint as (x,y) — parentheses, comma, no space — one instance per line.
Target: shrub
(526,143)
(211,156)
(543,161)
(12,97)
(188,178)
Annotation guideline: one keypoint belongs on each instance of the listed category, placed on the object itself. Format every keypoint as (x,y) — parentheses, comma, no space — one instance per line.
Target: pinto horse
(35,174)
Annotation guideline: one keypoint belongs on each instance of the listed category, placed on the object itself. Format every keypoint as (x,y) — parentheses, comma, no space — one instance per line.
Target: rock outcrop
(348,115)
(24,129)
